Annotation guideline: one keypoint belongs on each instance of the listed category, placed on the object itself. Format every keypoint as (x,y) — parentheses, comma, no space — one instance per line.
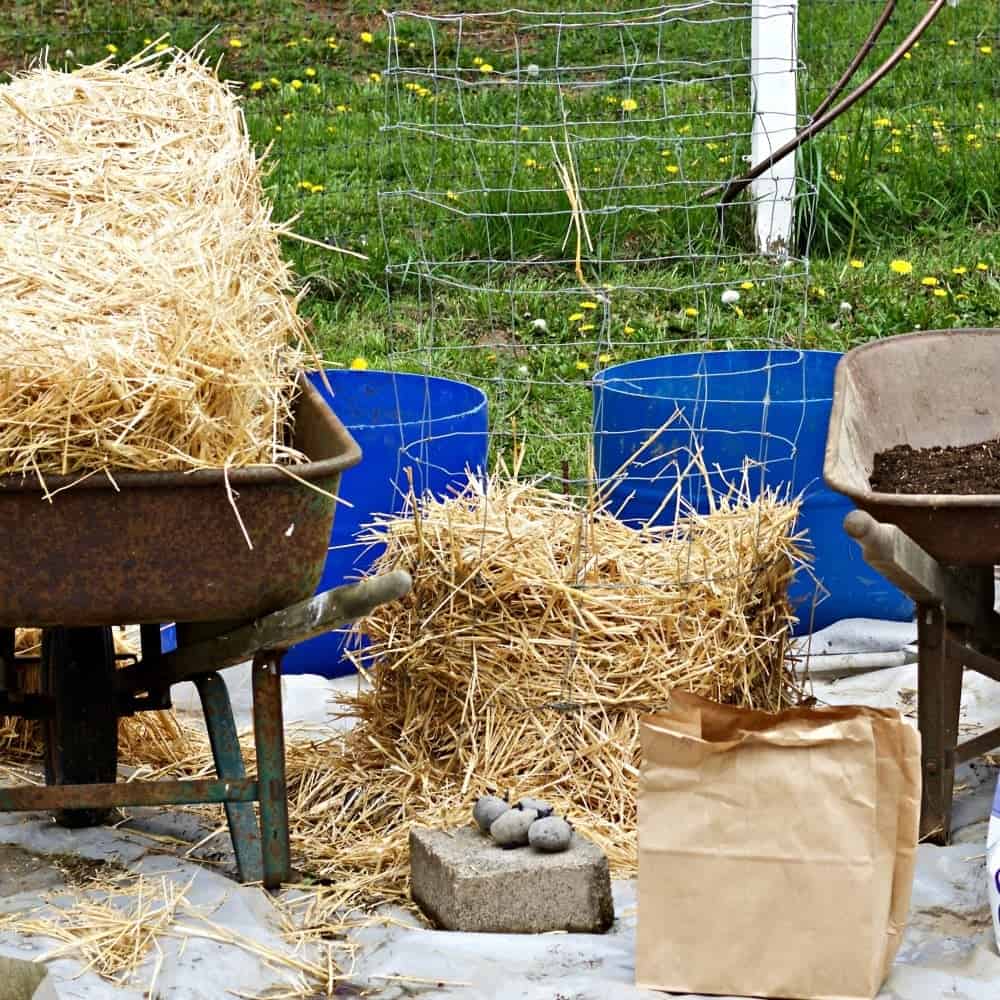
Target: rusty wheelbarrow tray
(936,388)
(153,548)
(168,546)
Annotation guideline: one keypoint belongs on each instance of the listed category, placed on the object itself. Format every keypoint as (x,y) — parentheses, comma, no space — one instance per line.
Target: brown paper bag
(776,852)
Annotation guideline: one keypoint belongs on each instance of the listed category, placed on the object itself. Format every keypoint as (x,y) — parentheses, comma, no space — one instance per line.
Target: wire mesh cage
(544,205)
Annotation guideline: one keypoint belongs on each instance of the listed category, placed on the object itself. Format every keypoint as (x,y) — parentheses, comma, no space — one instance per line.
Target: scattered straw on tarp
(147,317)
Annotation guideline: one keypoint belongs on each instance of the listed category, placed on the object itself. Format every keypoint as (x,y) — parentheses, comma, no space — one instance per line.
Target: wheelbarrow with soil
(919,416)
(234,559)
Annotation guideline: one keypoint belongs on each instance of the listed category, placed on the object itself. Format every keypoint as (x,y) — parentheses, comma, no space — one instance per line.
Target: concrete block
(464,882)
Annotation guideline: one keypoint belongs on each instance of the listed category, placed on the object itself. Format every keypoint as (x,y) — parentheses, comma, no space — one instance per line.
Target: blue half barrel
(431,428)
(771,407)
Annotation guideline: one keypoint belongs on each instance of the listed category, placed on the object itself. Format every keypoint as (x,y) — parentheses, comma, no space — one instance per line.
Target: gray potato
(511,829)
(487,810)
(550,835)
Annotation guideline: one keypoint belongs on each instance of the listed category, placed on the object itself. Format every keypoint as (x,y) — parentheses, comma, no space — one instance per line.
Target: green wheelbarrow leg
(269,735)
(243,827)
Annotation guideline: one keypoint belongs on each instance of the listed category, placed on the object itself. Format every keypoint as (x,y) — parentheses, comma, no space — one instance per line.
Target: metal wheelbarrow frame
(927,389)
(148,548)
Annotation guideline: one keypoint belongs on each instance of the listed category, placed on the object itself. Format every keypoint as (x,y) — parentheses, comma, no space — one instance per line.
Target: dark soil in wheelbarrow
(971,468)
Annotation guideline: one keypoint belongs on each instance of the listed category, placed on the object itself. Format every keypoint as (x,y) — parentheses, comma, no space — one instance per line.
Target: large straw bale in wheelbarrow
(147,318)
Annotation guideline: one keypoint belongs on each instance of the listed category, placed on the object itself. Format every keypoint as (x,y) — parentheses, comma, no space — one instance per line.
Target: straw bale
(147,318)
(538,631)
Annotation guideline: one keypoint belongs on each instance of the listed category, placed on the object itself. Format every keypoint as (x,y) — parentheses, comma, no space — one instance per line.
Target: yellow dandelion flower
(162,47)
(738,311)
(883,122)
(986,49)
(575,317)
(819,292)
(944,148)
(296,85)
(274,82)
(604,358)
(584,327)
(147,41)
(256,85)
(277,128)
(746,285)
(857,264)
(451,196)
(982,267)
(582,366)
(629,104)
(588,304)
(367,37)
(952,43)
(929,281)
(666,152)
(672,168)
(343,108)
(628,330)
(485,68)
(900,267)
(683,129)
(691,311)
(310,71)
(961,295)
(959,270)
(316,89)
(235,43)
(907,55)
(375,77)
(359,364)
(530,162)
(477,61)
(112,48)
(940,293)
(491,357)
(896,131)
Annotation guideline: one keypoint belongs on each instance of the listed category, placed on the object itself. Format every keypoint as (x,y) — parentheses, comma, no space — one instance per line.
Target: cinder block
(464,882)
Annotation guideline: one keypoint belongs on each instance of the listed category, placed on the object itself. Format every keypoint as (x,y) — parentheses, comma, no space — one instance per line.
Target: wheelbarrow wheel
(81,735)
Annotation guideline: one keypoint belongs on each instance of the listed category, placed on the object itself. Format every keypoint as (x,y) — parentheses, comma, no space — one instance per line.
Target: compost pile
(147,320)
(955,469)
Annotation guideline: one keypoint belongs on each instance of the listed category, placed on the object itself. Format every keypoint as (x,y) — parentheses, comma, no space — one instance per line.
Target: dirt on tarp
(963,470)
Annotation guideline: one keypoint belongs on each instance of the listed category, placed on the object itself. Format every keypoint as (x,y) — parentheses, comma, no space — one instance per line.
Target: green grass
(911,174)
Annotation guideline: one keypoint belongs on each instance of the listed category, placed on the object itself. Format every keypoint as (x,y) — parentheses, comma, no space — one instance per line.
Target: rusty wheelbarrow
(927,389)
(151,548)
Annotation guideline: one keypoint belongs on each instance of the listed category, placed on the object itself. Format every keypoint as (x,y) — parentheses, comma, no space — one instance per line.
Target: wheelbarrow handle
(329,610)
(274,632)
(895,555)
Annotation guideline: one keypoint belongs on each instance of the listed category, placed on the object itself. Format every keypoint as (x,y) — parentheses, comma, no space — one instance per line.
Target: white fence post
(773,55)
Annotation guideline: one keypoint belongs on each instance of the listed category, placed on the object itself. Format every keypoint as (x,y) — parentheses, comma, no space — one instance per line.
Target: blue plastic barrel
(433,428)
(772,407)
